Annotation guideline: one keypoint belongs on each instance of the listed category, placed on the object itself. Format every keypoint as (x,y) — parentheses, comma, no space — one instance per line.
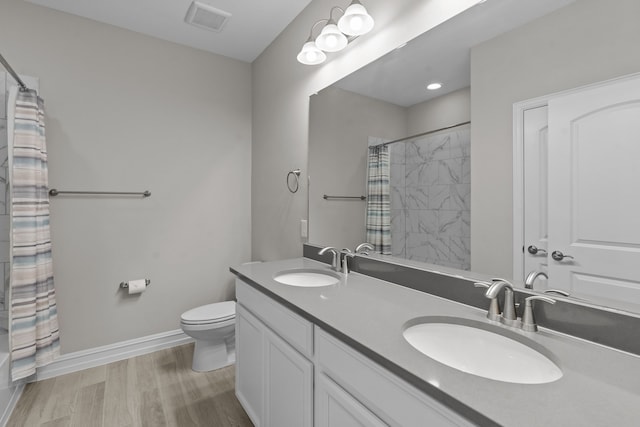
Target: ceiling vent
(203,16)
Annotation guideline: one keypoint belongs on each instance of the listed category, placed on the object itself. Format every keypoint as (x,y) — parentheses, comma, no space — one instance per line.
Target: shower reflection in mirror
(429,197)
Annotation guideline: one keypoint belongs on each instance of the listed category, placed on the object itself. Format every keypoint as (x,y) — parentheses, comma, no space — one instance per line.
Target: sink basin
(481,352)
(307,278)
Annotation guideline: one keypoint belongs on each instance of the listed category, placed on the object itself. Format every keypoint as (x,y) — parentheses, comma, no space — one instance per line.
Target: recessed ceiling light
(434,86)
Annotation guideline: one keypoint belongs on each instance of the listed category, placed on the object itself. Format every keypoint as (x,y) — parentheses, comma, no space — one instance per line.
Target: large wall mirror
(429,134)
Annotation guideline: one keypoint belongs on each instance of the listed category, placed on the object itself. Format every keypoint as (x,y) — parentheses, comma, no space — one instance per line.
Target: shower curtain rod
(23,87)
(420,134)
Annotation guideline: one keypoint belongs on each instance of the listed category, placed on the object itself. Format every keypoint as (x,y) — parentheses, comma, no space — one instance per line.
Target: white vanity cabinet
(290,373)
(274,374)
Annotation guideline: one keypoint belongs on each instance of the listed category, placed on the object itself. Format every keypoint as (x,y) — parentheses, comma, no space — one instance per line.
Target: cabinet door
(250,364)
(289,385)
(337,408)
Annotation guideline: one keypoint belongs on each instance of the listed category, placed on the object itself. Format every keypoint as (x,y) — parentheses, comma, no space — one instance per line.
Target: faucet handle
(481,284)
(360,248)
(494,307)
(528,321)
(557,291)
(499,279)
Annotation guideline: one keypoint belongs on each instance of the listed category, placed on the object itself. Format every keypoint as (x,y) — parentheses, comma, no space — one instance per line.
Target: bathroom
(212,137)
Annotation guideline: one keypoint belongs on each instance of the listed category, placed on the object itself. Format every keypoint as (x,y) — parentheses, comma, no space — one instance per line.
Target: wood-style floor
(157,389)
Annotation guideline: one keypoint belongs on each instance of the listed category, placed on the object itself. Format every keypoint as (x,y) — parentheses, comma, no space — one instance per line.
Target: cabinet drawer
(294,329)
(390,398)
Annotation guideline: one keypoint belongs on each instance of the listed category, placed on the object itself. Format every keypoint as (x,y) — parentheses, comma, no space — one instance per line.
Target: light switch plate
(304,228)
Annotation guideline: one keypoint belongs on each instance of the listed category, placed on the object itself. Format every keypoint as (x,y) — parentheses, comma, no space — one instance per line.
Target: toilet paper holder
(125,285)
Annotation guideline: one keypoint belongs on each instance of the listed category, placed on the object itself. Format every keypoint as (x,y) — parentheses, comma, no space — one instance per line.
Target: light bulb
(331,39)
(310,54)
(356,21)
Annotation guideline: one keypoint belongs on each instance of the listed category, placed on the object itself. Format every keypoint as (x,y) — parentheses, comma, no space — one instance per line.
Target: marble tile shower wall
(431,197)
(4,192)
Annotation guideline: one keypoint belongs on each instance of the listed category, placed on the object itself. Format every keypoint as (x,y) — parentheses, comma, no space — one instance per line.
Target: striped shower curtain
(378,220)
(34,322)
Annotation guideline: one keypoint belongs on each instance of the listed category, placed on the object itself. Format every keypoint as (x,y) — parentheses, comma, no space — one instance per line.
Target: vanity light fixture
(434,86)
(334,37)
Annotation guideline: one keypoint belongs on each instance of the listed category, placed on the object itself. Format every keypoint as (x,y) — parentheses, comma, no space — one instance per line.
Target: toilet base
(209,356)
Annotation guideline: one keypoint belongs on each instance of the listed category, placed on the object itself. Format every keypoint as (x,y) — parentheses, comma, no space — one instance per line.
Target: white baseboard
(98,356)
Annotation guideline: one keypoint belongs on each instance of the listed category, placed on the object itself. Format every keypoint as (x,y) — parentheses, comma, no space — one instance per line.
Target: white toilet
(213,328)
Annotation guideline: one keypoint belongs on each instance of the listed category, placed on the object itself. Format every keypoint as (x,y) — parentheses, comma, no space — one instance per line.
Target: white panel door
(594,193)
(535,146)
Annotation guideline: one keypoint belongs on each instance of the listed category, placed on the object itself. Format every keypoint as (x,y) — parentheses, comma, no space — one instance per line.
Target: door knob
(559,256)
(534,251)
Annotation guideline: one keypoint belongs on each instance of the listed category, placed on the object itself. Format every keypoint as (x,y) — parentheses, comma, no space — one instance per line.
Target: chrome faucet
(532,276)
(494,307)
(528,321)
(509,316)
(360,249)
(334,260)
(345,264)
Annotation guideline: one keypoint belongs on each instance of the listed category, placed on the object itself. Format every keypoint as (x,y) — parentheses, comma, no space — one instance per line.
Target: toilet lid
(210,313)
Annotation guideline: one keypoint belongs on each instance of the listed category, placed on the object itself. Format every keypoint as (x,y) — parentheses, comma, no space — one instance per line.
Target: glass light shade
(311,55)
(355,21)
(331,39)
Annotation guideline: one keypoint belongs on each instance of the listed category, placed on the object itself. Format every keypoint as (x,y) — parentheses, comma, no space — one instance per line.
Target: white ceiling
(442,54)
(254,24)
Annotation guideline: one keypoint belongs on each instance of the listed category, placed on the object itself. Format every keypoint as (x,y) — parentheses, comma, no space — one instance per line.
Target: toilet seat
(209,314)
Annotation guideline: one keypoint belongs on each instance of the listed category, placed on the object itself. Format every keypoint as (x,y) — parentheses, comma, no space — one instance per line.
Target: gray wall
(281,90)
(586,42)
(129,112)
(339,129)
(445,110)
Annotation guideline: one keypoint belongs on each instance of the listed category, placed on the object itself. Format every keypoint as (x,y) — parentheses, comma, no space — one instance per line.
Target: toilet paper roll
(137,286)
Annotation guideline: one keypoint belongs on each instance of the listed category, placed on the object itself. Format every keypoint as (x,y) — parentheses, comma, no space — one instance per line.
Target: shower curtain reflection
(378,221)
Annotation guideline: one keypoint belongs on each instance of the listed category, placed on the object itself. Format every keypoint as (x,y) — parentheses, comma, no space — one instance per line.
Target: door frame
(518,163)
